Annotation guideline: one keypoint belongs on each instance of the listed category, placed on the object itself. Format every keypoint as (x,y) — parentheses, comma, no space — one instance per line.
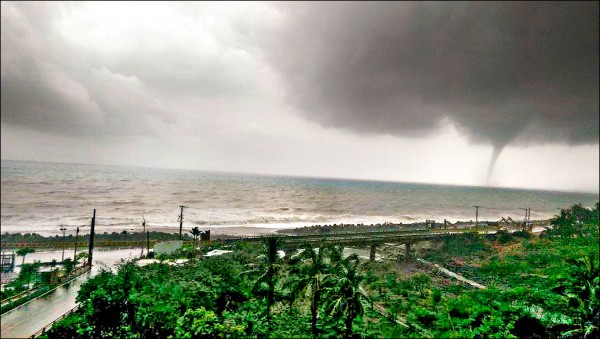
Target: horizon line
(316,177)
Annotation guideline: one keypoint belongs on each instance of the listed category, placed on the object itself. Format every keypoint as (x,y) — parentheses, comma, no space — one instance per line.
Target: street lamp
(63,229)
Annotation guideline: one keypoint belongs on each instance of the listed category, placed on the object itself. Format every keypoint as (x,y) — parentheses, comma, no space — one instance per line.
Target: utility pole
(91,248)
(148,242)
(63,229)
(181,222)
(144,231)
(476,215)
(75,254)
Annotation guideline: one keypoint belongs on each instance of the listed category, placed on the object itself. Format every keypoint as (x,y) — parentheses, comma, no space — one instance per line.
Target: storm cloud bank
(112,69)
(507,72)
(226,75)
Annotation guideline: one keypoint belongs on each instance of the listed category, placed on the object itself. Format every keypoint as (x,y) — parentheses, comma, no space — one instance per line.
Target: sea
(41,197)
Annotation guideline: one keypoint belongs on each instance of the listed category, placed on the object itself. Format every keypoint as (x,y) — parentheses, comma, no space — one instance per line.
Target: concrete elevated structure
(373,239)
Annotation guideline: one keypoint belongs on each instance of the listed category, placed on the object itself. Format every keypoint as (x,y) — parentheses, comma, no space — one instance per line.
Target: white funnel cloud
(495,155)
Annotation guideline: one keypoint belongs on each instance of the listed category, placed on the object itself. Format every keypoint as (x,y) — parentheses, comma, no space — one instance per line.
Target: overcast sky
(416,92)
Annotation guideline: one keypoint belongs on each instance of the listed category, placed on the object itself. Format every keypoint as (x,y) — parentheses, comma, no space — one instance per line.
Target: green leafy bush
(535,287)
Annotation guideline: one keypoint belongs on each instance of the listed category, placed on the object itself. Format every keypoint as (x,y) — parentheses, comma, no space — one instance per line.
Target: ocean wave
(124,202)
(53,192)
(261,220)
(195,201)
(44,197)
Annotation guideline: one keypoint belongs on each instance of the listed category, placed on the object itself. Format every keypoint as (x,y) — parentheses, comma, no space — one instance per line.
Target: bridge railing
(18,296)
(408,235)
(347,233)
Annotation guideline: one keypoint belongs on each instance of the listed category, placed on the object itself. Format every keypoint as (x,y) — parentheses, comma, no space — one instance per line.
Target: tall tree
(345,295)
(271,246)
(195,233)
(571,221)
(69,265)
(24,251)
(28,272)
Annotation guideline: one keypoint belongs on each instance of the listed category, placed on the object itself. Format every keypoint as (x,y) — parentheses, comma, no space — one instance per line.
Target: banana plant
(582,293)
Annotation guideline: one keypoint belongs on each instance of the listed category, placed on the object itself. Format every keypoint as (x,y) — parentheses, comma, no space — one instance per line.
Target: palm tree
(345,295)
(563,224)
(195,233)
(23,252)
(311,280)
(271,245)
(69,265)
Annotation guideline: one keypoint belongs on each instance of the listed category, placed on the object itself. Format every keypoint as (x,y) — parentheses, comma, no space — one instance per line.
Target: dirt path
(451,274)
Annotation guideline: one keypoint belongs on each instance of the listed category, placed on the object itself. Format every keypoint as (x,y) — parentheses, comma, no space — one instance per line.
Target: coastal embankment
(12,241)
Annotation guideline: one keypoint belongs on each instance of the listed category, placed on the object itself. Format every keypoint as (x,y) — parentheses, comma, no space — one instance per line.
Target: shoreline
(257,227)
(158,234)
(236,229)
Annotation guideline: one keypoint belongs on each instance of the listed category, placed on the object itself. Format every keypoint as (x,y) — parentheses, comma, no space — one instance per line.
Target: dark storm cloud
(48,87)
(94,103)
(501,72)
(112,69)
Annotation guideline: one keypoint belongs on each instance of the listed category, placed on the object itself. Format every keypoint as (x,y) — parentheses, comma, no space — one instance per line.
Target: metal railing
(49,326)
(19,296)
(100,243)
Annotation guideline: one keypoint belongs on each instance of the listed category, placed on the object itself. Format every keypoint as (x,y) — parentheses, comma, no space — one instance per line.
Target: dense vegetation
(535,286)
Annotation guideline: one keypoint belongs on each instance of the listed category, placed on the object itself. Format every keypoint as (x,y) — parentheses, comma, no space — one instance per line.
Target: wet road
(29,318)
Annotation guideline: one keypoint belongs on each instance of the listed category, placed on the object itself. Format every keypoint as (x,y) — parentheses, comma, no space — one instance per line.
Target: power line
(501,209)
